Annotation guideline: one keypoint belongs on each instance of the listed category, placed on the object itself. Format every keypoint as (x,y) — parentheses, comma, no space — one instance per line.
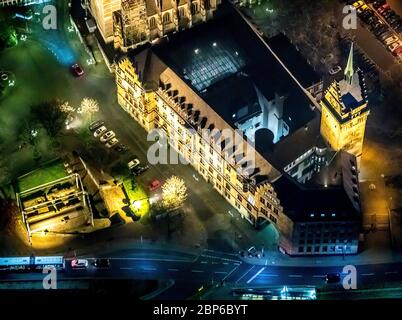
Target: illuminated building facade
(140,21)
(102,11)
(345,111)
(217,76)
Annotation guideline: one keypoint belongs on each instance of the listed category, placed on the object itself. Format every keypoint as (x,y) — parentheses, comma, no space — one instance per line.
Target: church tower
(344,111)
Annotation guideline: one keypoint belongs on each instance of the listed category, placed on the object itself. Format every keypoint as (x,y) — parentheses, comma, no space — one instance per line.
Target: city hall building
(220,75)
(140,21)
(130,23)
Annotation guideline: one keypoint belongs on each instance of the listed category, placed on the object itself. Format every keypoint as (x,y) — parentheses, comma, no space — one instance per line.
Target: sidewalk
(378,252)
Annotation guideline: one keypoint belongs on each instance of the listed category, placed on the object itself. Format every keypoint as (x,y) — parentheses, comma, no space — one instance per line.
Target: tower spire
(349,67)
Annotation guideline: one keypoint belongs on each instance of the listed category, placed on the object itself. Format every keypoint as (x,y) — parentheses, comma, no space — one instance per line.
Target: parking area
(383,22)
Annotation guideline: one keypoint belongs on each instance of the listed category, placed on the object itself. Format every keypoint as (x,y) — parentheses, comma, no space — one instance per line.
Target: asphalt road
(191,274)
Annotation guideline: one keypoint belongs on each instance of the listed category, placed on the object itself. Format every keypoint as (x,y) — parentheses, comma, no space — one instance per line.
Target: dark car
(77,70)
(140,169)
(333,278)
(388,14)
(385,35)
(102,263)
(95,125)
(380,30)
(120,148)
(377,4)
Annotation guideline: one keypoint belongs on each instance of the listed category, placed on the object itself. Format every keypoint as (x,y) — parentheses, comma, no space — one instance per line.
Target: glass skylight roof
(209,64)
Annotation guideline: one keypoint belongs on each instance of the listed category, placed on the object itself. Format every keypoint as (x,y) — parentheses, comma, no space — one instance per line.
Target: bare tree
(89,107)
(174,192)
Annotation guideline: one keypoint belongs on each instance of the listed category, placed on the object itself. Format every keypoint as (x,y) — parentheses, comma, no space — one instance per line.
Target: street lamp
(137,203)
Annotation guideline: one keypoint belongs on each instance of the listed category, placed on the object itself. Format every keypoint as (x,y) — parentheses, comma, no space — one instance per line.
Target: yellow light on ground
(137,204)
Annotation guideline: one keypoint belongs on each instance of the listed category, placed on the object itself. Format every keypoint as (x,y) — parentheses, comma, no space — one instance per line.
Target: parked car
(367,15)
(100,131)
(388,41)
(388,14)
(379,3)
(398,52)
(383,8)
(361,9)
(133,163)
(95,125)
(394,46)
(380,30)
(102,263)
(334,70)
(386,35)
(79,263)
(77,70)
(154,185)
(120,148)
(111,143)
(107,136)
(358,4)
(395,23)
(140,169)
(333,278)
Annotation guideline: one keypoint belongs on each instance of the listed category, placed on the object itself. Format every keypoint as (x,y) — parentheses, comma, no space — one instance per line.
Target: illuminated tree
(65,107)
(174,192)
(89,107)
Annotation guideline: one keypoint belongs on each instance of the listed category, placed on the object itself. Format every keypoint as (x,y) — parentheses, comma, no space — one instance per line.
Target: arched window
(166,18)
(207,4)
(194,7)
(181,12)
(152,22)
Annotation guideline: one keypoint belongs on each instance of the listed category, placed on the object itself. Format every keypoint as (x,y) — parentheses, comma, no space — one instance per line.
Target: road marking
(149,269)
(220,258)
(203,262)
(221,252)
(225,262)
(245,274)
(269,275)
(126,268)
(318,276)
(173,269)
(391,272)
(367,274)
(155,259)
(295,276)
(256,275)
(197,271)
(222,272)
(233,270)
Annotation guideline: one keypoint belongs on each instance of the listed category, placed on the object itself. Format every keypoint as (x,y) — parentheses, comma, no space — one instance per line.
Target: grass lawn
(138,194)
(54,170)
